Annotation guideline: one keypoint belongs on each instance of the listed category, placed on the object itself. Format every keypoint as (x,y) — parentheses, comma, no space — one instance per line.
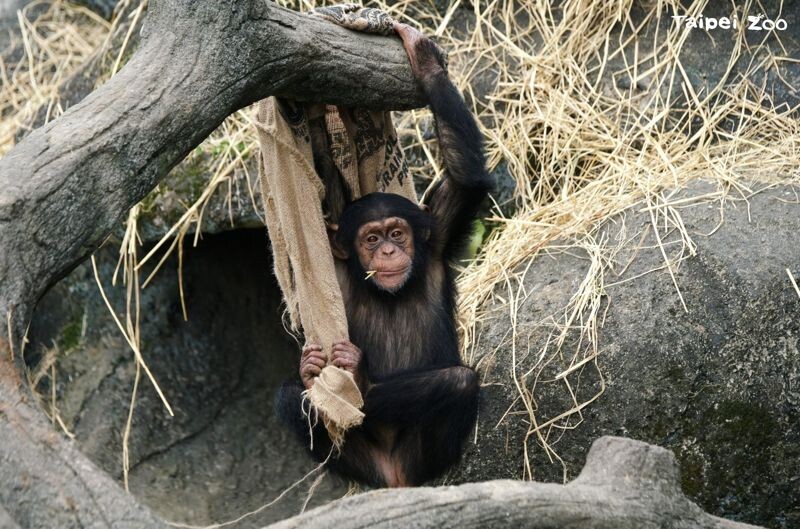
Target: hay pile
(545,83)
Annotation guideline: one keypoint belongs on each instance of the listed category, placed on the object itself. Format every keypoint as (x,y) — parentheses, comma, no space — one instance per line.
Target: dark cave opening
(223,453)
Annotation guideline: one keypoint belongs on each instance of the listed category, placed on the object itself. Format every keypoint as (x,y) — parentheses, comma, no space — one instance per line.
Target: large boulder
(718,382)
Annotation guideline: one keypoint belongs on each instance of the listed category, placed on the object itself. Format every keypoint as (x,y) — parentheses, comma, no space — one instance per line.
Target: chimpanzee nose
(387,249)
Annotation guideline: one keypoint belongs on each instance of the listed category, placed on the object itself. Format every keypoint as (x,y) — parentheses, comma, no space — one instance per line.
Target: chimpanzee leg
(289,409)
(408,397)
(357,458)
(433,411)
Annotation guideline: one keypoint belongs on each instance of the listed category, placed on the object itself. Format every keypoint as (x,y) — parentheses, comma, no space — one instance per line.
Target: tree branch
(67,184)
(625,484)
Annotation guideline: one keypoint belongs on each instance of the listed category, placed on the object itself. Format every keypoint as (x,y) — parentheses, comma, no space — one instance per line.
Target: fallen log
(625,484)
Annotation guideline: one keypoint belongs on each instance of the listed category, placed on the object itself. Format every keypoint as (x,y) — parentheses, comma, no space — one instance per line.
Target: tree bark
(67,185)
(625,484)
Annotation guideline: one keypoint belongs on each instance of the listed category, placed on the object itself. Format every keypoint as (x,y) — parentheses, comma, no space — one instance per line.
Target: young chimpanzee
(420,402)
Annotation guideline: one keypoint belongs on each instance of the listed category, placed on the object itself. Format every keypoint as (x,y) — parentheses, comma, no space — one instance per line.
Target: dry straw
(579,149)
(582,151)
(47,50)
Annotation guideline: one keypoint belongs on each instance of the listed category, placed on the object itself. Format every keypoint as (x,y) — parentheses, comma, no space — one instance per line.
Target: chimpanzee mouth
(392,281)
(392,273)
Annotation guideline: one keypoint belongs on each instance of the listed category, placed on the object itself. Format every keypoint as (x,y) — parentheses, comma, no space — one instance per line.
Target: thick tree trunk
(66,185)
(45,482)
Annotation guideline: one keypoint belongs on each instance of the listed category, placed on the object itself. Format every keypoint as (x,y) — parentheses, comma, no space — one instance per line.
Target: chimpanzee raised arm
(455,199)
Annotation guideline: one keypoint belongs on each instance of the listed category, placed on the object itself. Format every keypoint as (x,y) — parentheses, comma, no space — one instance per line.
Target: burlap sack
(368,155)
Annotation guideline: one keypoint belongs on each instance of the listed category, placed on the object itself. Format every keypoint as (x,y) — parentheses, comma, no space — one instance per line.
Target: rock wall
(223,453)
(719,383)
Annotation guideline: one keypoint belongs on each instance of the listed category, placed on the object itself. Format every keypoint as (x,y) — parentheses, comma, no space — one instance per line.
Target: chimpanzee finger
(308,348)
(406,32)
(338,350)
(317,356)
(399,26)
(345,355)
(309,371)
(310,351)
(348,367)
(312,368)
(344,346)
(315,361)
(312,362)
(344,362)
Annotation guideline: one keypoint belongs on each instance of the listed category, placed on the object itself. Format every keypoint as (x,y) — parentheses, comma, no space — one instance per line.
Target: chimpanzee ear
(338,251)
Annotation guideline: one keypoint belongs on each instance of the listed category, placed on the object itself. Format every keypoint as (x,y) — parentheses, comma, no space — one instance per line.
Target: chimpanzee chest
(405,335)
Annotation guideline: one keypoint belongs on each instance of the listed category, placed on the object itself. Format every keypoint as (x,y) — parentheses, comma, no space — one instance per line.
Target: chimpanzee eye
(396,234)
(372,239)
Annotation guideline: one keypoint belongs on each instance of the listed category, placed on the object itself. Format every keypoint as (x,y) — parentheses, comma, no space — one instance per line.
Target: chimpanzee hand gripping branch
(393,266)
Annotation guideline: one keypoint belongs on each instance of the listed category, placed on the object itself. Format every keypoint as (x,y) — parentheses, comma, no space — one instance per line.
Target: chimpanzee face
(386,248)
